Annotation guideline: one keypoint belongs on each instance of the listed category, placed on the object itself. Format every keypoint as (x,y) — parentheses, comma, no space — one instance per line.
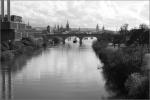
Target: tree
(140,36)
(117,39)
(143,26)
(124,28)
(123,32)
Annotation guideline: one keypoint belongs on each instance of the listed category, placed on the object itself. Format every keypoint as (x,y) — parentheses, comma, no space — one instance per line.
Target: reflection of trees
(15,65)
(6,83)
(11,67)
(19,62)
(3,85)
(7,69)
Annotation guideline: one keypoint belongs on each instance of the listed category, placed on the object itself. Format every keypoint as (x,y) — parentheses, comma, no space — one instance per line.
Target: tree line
(135,36)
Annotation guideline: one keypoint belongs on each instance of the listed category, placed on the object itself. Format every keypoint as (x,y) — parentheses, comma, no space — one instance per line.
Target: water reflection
(60,72)
(9,69)
(6,83)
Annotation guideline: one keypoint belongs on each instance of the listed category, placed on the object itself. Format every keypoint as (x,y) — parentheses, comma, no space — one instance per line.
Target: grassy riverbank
(9,50)
(124,70)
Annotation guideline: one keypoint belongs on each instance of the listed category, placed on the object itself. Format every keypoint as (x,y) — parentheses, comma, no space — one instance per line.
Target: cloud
(112,14)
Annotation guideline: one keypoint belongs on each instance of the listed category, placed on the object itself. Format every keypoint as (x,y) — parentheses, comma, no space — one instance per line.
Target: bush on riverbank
(99,45)
(32,43)
(56,40)
(137,86)
(8,55)
(4,46)
(118,68)
(25,46)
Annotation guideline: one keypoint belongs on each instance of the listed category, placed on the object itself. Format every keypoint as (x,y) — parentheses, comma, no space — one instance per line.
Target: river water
(64,72)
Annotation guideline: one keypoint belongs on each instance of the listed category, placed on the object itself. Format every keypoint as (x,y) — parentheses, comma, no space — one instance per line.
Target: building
(67,26)
(15,26)
(15,18)
(28,26)
(12,26)
(97,28)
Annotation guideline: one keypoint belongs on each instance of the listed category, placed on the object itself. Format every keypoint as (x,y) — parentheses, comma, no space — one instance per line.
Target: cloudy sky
(111,14)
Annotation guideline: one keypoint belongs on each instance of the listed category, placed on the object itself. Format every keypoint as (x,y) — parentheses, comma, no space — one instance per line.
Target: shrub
(7,55)
(27,41)
(24,50)
(5,46)
(119,65)
(99,45)
(56,40)
(137,86)
(17,45)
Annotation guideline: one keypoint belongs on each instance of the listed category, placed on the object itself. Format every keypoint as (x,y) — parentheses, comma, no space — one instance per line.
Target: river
(64,72)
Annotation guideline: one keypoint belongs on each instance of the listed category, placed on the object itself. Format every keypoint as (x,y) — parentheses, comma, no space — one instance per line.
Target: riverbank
(9,50)
(124,70)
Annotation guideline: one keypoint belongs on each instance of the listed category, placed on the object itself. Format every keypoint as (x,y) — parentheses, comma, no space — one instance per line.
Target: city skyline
(83,14)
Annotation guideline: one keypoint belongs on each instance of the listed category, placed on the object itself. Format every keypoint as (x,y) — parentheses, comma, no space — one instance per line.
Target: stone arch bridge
(65,36)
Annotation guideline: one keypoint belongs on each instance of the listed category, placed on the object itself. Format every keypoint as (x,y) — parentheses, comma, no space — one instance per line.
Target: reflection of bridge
(65,36)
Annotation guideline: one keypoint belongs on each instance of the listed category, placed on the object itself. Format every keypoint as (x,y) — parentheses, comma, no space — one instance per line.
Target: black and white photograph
(74,50)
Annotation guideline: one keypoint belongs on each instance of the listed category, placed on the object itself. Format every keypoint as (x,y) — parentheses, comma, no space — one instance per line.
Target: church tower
(97,28)
(67,26)
(48,29)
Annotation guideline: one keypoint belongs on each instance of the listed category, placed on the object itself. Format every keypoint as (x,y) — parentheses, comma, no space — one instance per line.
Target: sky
(84,14)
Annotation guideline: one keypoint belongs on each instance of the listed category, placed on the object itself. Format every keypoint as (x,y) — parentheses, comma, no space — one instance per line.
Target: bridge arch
(65,36)
(80,38)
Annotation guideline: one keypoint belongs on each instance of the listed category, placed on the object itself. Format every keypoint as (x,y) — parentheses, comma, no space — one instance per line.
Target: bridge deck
(70,35)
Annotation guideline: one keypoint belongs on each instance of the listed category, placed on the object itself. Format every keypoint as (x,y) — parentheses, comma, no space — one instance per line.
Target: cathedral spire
(67,26)
(97,28)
